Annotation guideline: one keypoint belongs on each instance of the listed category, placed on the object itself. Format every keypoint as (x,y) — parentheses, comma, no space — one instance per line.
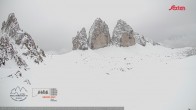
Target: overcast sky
(53,23)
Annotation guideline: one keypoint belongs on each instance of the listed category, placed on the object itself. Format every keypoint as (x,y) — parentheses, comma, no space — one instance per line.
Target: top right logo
(177,8)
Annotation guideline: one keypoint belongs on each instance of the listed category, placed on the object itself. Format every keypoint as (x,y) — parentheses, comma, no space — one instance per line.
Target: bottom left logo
(18,94)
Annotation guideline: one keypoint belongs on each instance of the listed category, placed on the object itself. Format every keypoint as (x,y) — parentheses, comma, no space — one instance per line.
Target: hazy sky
(53,23)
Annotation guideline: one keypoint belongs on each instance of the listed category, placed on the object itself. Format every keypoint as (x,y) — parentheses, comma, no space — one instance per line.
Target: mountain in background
(99,36)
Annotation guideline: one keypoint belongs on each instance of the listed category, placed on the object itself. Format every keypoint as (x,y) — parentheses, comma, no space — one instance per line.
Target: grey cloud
(53,23)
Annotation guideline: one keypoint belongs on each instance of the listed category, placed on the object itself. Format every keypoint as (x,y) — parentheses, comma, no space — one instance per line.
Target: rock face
(123,35)
(10,26)
(80,41)
(153,42)
(17,44)
(140,39)
(99,35)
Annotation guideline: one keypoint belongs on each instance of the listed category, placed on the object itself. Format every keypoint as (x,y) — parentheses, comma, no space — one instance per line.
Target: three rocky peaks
(99,36)
(17,45)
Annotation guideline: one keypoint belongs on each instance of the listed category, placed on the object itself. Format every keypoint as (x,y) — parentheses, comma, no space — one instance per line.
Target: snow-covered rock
(99,35)
(11,26)
(17,45)
(80,41)
(123,35)
(152,42)
(140,39)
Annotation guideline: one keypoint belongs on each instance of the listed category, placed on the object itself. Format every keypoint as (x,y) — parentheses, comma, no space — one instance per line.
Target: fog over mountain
(53,23)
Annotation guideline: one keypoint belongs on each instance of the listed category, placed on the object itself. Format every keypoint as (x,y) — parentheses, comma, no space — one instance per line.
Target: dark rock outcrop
(99,35)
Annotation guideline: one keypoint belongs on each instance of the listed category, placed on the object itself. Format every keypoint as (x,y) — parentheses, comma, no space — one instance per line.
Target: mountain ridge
(17,45)
(99,36)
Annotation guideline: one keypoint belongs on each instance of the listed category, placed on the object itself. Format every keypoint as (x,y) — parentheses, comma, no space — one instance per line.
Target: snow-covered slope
(136,77)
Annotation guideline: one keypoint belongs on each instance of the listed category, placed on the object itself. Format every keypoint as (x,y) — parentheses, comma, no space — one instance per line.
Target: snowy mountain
(17,45)
(17,51)
(99,36)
